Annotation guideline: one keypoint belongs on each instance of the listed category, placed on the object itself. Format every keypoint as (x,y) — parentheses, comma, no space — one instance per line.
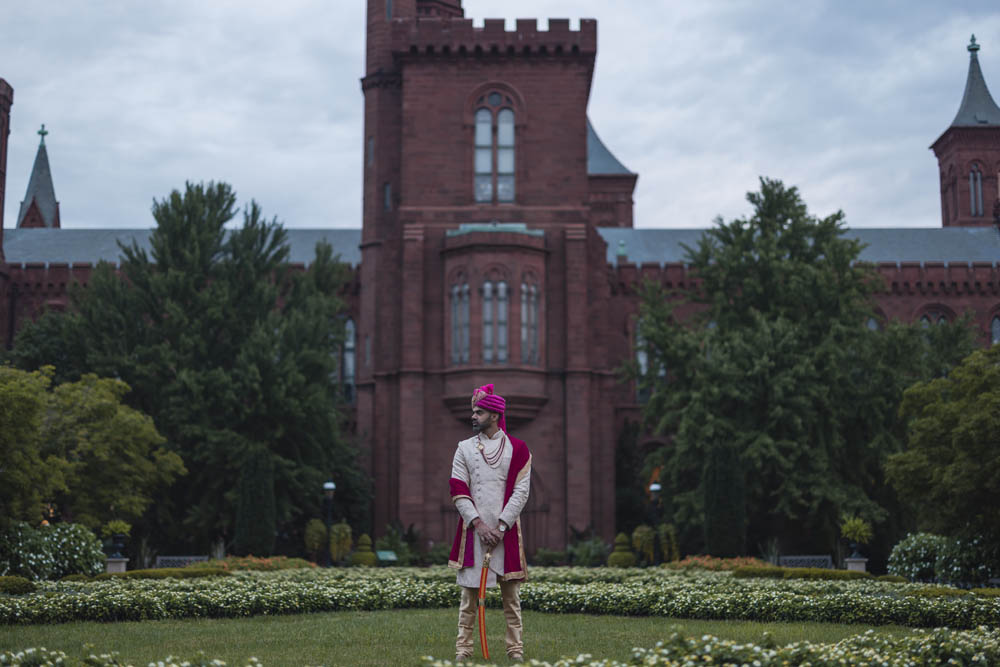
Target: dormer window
(494,149)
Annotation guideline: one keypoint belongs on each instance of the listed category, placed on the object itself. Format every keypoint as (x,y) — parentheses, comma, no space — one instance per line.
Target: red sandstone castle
(497,245)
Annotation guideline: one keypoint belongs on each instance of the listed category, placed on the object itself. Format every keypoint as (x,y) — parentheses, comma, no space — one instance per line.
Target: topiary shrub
(16,585)
(340,542)
(364,556)
(643,541)
(667,535)
(621,556)
(915,556)
(315,538)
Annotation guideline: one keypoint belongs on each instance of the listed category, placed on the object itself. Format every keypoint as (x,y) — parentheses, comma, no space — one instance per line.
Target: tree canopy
(779,400)
(77,446)
(950,470)
(235,355)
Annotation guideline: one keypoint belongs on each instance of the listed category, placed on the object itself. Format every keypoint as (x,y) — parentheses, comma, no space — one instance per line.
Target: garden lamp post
(329,488)
(654,494)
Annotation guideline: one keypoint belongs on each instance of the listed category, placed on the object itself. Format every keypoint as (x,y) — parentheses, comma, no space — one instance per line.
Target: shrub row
(32,657)
(774,572)
(706,596)
(941,646)
(239,563)
(14,585)
(166,573)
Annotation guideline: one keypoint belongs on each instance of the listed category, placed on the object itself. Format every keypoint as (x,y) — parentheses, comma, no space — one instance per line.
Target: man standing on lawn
(490,479)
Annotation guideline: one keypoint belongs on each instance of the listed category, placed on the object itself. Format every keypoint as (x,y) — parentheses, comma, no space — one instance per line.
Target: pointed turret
(978,107)
(968,154)
(40,208)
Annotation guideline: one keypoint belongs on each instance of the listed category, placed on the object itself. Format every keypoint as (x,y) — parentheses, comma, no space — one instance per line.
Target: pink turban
(484,398)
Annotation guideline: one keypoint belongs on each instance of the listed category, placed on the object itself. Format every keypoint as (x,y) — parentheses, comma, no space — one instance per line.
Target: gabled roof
(41,192)
(600,161)
(977,108)
(80,246)
(951,245)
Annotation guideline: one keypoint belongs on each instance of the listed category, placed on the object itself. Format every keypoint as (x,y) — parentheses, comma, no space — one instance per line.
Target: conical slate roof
(977,108)
(601,161)
(40,189)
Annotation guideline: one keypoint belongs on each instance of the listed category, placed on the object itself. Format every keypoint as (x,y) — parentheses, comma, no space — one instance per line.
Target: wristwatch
(503,527)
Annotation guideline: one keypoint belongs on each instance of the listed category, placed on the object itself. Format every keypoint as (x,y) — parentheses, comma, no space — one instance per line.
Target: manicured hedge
(16,585)
(798,573)
(649,592)
(166,573)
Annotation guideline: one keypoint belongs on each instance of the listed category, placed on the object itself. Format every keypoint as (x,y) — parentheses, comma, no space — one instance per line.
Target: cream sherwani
(487,485)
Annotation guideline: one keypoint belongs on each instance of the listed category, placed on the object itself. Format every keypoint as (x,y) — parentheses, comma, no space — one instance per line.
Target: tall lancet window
(488,322)
(494,149)
(976,191)
(529,322)
(460,323)
(348,362)
(995,331)
(495,296)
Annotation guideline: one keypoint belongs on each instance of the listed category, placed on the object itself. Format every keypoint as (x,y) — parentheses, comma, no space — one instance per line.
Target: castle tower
(6,100)
(968,154)
(481,259)
(40,208)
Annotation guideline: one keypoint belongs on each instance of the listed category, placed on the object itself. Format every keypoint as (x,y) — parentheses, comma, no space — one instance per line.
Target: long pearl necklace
(493,459)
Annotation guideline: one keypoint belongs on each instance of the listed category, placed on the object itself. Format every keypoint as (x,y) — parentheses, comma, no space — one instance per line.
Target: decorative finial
(973,47)
(42,132)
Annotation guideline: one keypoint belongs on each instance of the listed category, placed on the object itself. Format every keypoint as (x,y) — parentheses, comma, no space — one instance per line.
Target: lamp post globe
(329,488)
(654,494)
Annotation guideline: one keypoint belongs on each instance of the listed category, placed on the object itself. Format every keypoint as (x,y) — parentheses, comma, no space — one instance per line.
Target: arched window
(529,322)
(460,323)
(976,191)
(348,361)
(995,331)
(494,149)
(487,322)
(495,322)
(925,321)
(872,324)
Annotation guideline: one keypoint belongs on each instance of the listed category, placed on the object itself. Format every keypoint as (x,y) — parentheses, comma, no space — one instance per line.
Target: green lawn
(389,637)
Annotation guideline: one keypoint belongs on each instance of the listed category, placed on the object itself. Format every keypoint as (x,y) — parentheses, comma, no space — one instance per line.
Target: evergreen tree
(255,512)
(231,351)
(778,367)
(725,503)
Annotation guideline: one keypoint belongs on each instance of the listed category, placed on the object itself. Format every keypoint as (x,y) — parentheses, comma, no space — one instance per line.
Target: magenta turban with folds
(484,398)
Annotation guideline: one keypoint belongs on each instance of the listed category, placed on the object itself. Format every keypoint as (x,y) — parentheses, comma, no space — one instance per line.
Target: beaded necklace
(493,460)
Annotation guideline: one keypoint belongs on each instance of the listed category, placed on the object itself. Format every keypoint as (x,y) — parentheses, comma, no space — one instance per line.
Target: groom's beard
(476,427)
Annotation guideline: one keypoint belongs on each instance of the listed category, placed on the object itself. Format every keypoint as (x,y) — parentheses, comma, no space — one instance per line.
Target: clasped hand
(489,536)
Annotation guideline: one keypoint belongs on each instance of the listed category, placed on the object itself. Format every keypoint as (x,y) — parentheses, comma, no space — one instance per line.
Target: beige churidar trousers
(467,633)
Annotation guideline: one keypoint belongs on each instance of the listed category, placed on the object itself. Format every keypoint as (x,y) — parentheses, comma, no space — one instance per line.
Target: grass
(389,637)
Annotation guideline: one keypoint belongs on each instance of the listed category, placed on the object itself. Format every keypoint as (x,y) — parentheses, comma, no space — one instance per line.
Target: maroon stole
(463,550)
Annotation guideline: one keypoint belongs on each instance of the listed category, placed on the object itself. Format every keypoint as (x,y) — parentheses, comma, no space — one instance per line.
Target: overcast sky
(841,98)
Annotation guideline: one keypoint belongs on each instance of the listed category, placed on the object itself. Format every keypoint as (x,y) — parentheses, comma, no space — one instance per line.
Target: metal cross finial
(42,132)
(973,47)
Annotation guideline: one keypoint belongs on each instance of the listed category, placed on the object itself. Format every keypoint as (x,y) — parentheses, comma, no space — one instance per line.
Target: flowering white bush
(972,647)
(50,552)
(30,657)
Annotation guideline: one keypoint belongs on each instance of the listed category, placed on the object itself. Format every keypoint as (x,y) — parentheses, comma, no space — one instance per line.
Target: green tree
(255,513)
(777,375)
(116,461)
(232,351)
(949,473)
(27,476)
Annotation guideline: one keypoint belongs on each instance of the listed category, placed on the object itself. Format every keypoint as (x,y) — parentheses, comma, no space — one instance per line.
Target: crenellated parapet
(454,36)
(937,279)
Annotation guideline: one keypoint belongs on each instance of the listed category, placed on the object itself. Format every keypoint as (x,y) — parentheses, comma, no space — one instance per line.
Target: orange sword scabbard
(482,605)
